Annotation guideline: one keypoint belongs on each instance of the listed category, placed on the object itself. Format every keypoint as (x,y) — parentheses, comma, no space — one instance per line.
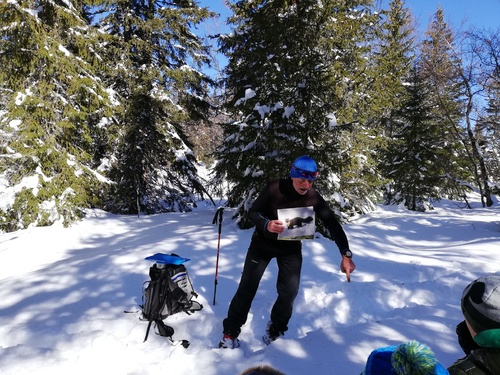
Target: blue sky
(480,13)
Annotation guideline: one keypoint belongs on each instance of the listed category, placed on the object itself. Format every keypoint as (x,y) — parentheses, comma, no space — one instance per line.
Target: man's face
(302,185)
(471,330)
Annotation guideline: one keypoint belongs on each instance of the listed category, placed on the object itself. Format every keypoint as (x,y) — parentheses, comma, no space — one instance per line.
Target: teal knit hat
(411,358)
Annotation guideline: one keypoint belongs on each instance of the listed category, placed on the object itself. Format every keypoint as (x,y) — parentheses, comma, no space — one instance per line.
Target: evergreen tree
(441,67)
(296,69)
(52,98)
(161,88)
(488,126)
(488,134)
(410,160)
(393,58)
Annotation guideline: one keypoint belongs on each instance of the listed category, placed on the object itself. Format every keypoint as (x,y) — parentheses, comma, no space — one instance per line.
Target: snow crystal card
(299,223)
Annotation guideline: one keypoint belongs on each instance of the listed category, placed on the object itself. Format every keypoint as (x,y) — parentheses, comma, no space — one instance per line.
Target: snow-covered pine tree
(488,134)
(393,54)
(410,158)
(440,66)
(52,100)
(487,128)
(296,71)
(158,78)
(393,57)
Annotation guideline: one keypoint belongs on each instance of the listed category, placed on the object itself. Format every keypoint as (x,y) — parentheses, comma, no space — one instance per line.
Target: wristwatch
(347,254)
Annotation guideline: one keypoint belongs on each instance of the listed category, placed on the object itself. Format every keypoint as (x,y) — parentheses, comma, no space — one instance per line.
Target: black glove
(465,339)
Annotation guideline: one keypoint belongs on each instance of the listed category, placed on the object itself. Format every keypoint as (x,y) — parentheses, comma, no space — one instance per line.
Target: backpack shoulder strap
(195,306)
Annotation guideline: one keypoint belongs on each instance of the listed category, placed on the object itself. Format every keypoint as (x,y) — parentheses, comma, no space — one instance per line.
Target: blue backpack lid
(167,258)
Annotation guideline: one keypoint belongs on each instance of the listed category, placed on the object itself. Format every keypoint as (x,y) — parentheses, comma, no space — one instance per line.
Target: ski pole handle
(215,290)
(218,216)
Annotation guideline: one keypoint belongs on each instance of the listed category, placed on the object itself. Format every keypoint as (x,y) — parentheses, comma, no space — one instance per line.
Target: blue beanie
(304,167)
(411,358)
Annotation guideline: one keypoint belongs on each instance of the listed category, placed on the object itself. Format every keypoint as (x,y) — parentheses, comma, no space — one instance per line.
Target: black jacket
(483,361)
(281,194)
(478,360)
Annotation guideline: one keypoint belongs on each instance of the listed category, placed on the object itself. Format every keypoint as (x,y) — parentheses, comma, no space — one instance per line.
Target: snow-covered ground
(64,292)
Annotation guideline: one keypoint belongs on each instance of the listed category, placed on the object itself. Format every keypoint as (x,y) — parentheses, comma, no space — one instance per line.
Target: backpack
(169,291)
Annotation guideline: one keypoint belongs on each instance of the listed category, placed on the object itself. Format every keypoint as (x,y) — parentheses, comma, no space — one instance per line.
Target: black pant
(258,257)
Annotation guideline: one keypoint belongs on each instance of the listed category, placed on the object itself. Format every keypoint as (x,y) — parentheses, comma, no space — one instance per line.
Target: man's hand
(275,226)
(347,266)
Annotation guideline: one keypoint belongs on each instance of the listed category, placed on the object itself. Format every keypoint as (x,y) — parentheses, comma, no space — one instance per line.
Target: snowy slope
(64,293)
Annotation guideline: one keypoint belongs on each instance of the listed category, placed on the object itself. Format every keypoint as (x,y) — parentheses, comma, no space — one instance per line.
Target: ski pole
(217,219)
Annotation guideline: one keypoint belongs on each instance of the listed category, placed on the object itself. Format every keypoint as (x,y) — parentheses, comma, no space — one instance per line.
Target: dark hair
(262,370)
